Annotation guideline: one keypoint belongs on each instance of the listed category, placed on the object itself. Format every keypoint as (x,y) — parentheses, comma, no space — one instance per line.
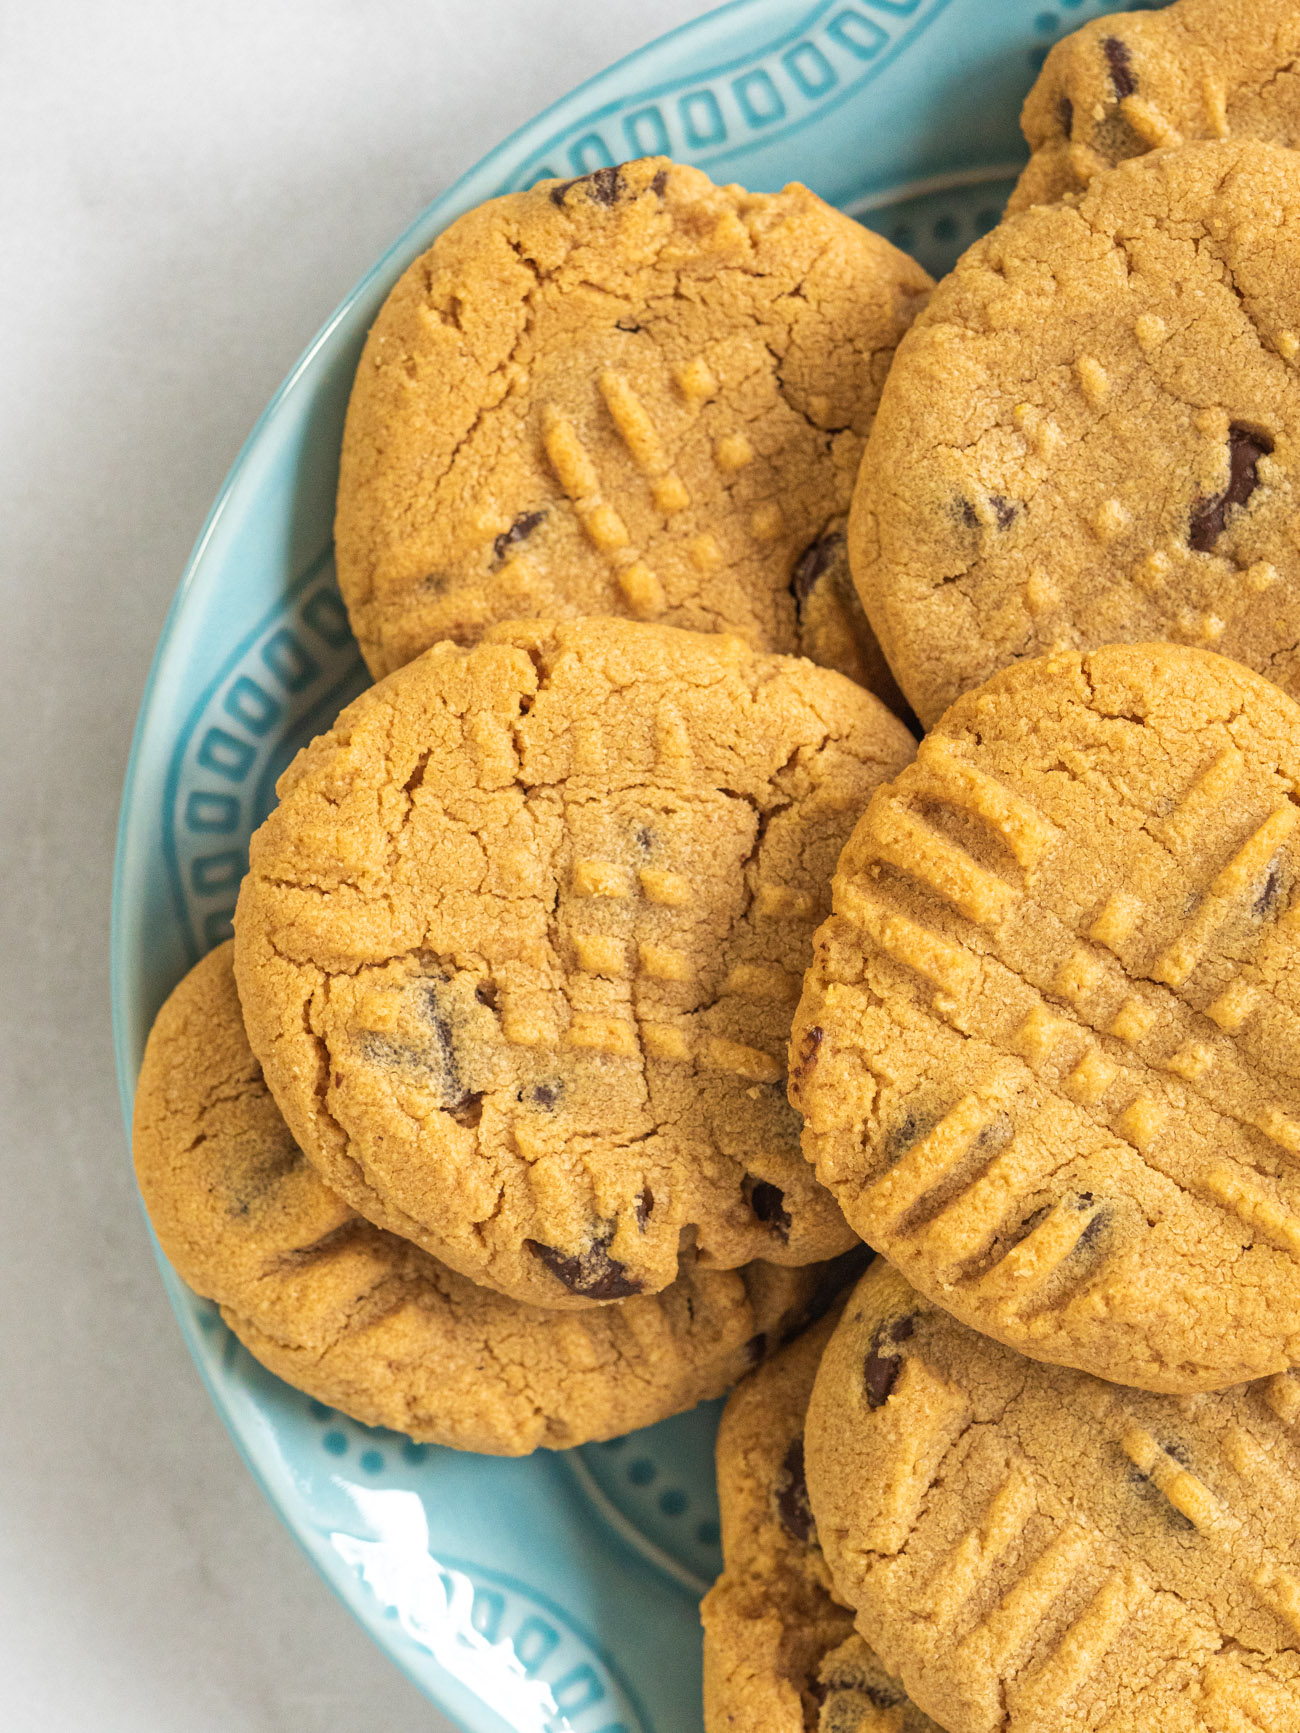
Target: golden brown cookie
(366,1321)
(634,394)
(1048,1049)
(780,1653)
(1134,82)
(1091,434)
(1034,1551)
(519,949)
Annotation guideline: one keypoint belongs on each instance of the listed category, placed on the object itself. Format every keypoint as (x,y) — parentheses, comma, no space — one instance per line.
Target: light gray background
(187,188)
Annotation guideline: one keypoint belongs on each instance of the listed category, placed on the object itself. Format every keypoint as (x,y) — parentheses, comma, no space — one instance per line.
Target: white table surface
(187,188)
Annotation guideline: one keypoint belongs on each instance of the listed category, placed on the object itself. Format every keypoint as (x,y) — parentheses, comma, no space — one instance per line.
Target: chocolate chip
(545,1095)
(519,531)
(792,1504)
(1269,895)
(812,1040)
(603,186)
(468,1111)
(881,1368)
(1245,448)
(768,1204)
(1120,62)
(813,563)
(1065,114)
(1004,510)
(659,182)
(645,1204)
(593,1274)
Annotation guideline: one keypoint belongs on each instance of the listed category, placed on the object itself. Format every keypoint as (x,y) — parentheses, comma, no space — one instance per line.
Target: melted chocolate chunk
(594,1274)
(660,182)
(812,1040)
(545,1095)
(1269,895)
(881,1368)
(1120,61)
(813,563)
(519,531)
(792,1504)
(768,1203)
(1209,516)
(645,1204)
(1065,114)
(1004,510)
(603,186)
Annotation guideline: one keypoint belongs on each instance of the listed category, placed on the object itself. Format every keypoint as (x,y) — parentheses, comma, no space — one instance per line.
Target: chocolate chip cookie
(635,394)
(780,1653)
(1048,1048)
(1035,1551)
(1134,82)
(1090,435)
(370,1324)
(519,949)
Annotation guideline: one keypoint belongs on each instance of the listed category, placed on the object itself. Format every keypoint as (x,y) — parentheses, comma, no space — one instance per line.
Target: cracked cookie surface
(1134,82)
(1090,435)
(1035,1551)
(634,394)
(519,948)
(780,1653)
(370,1324)
(1047,1051)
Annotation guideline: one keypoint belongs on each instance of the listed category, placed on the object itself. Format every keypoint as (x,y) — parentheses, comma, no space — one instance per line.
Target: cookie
(1134,82)
(634,394)
(780,1653)
(519,949)
(1048,1050)
(370,1324)
(1090,435)
(1035,1551)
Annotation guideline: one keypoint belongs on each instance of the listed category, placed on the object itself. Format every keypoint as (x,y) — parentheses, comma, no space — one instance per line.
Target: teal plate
(557,1594)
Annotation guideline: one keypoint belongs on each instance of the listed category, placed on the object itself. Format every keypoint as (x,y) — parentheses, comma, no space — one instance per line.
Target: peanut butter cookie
(1048,1049)
(1034,1551)
(370,1324)
(1090,435)
(780,1653)
(519,949)
(634,394)
(1134,82)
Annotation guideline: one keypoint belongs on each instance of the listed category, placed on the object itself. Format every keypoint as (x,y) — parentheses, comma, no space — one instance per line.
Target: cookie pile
(618,964)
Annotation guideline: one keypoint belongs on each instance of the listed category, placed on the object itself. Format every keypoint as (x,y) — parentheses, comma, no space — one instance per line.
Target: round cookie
(1048,1049)
(1090,435)
(1034,1551)
(519,948)
(370,1324)
(1134,82)
(780,1653)
(634,394)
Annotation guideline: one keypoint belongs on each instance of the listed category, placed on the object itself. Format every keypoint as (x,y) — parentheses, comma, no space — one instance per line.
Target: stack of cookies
(617,969)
